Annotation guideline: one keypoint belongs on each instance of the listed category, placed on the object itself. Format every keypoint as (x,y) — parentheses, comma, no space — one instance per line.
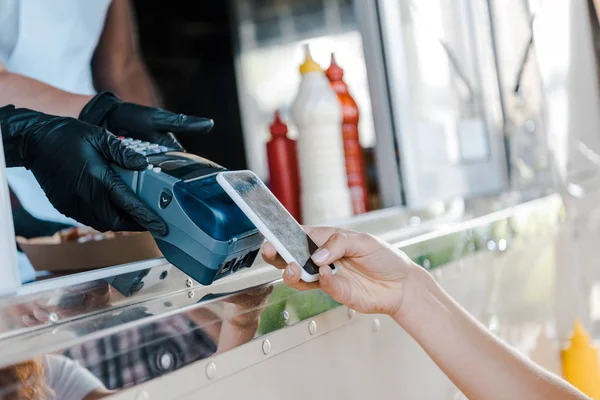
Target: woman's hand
(244,309)
(373,277)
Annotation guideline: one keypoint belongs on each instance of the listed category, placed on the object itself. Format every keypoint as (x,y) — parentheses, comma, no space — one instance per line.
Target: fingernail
(289,271)
(42,314)
(321,272)
(321,255)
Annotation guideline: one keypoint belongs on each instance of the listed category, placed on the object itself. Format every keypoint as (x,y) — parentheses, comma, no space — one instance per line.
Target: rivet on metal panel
(414,221)
(285,315)
(211,371)
(142,396)
(376,324)
(191,294)
(351,313)
(266,347)
(426,263)
(312,328)
(53,317)
(188,282)
(493,324)
(502,244)
(530,126)
(165,361)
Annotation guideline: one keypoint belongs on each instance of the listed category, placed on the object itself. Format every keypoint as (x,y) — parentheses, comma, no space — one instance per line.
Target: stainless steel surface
(164,322)
(266,347)
(211,371)
(249,356)
(312,328)
(512,291)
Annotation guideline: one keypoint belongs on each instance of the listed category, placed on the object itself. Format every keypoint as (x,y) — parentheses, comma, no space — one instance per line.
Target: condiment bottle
(580,363)
(283,167)
(318,116)
(355,163)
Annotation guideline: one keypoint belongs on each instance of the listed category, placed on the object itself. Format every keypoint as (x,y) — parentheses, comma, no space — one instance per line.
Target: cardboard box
(50,254)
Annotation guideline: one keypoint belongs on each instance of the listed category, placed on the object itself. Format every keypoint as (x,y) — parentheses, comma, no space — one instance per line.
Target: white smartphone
(272,220)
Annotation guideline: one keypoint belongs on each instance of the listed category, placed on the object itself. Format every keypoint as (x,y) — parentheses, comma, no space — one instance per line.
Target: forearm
(234,335)
(130,83)
(479,364)
(30,93)
(117,65)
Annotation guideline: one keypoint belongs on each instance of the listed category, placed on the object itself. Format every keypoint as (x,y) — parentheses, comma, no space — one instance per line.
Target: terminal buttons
(143,148)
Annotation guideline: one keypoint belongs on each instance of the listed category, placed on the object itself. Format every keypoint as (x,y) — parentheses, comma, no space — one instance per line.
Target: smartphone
(272,220)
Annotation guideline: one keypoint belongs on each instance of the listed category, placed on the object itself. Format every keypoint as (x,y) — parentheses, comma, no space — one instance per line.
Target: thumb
(166,121)
(118,153)
(338,246)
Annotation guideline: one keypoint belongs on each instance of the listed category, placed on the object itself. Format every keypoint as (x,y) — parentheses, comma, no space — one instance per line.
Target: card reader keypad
(143,148)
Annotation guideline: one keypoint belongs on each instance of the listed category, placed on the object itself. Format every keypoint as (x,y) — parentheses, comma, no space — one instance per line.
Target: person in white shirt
(51,377)
(59,57)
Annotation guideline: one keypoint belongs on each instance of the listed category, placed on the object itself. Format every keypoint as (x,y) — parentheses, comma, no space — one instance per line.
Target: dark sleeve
(28,226)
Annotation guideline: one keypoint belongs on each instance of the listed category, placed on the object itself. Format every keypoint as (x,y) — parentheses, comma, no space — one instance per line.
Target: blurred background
(456,98)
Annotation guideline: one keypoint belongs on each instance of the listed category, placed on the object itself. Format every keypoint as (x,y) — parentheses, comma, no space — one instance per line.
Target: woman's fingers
(292,275)
(320,234)
(270,255)
(338,246)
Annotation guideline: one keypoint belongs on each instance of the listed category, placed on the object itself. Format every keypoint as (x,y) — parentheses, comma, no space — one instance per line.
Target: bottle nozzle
(334,72)
(310,65)
(278,127)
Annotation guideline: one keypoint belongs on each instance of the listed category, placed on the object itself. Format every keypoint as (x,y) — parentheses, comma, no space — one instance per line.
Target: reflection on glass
(135,341)
(130,357)
(446,92)
(50,377)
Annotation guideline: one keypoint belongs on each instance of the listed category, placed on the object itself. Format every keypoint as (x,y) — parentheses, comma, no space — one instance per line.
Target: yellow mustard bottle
(580,363)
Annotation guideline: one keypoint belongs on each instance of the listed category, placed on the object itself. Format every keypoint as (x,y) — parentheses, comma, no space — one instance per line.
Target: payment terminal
(209,237)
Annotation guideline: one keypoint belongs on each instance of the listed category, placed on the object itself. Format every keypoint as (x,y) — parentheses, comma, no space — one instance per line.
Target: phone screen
(275,217)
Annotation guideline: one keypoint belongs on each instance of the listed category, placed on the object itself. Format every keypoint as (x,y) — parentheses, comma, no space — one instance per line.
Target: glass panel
(445,98)
(445,90)
(270,39)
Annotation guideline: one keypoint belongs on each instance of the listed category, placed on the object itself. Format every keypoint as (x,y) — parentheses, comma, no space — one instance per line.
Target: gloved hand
(71,161)
(140,122)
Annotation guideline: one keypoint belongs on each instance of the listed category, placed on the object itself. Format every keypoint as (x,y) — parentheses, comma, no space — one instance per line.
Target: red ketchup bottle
(283,167)
(355,163)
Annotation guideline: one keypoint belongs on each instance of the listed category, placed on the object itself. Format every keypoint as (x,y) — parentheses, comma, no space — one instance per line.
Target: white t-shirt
(52,41)
(68,379)
(9,27)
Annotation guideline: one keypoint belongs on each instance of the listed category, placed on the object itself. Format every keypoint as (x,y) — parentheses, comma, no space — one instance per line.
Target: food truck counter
(132,324)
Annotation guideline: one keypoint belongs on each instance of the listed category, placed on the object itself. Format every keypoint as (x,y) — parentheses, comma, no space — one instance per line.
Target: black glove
(140,122)
(70,159)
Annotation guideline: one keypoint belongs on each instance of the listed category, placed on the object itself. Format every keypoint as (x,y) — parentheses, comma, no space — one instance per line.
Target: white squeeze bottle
(318,116)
